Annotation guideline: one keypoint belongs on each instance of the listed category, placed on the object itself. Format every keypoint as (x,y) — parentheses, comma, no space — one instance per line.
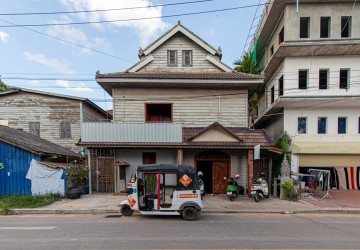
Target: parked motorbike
(260,188)
(232,190)
(201,183)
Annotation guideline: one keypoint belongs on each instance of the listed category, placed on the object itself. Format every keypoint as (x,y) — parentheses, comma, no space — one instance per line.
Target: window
(172,58)
(344,79)
(34,128)
(158,112)
(65,130)
(322,125)
(302,125)
(303,75)
(325,24)
(281,86)
(272,94)
(304,27)
(342,125)
(323,78)
(272,50)
(346,26)
(149,157)
(281,36)
(187,58)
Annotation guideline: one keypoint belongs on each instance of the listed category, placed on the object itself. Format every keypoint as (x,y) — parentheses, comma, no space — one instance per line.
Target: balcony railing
(131,132)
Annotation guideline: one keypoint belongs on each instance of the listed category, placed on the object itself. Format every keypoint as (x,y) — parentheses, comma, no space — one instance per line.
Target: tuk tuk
(163,189)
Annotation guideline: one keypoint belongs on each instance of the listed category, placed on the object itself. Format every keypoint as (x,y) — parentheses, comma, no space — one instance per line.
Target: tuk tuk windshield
(133,177)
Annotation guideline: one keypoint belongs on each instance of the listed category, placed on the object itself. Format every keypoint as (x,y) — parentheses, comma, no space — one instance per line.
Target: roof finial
(179,22)
(219,49)
(140,50)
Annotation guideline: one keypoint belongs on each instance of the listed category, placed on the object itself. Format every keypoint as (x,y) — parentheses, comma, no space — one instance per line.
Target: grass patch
(26,201)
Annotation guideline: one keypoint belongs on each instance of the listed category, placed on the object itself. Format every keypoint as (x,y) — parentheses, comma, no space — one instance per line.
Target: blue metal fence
(16,163)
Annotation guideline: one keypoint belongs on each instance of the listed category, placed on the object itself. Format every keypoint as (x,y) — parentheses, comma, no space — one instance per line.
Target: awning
(326,148)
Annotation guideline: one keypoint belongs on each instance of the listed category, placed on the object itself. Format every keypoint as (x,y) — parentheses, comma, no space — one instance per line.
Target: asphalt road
(210,231)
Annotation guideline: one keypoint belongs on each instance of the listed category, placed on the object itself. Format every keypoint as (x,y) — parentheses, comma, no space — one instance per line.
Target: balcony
(131,132)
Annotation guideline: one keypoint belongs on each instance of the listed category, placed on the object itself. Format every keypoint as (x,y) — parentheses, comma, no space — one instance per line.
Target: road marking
(27,228)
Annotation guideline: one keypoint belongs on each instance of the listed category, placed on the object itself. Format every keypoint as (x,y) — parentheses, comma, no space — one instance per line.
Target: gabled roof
(186,32)
(31,143)
(16,90)
(215,125)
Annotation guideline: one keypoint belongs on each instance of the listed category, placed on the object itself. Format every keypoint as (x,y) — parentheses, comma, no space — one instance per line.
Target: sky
(64,59)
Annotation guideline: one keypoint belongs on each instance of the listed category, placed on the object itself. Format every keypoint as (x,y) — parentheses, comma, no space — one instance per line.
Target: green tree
(246,64)
(4,87)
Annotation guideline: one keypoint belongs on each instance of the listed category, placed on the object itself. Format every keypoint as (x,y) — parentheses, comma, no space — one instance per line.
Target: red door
(220,170)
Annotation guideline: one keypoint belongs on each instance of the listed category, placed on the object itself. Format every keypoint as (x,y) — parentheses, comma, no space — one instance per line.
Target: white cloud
(4,37)
(77,36)
(80,87)
(60,65)
(146,29)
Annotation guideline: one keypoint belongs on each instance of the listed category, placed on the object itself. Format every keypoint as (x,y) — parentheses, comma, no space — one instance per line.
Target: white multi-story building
(310,56)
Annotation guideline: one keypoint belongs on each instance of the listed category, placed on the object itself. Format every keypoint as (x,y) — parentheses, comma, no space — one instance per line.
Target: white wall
(134,158)
(332,114)
(333,64)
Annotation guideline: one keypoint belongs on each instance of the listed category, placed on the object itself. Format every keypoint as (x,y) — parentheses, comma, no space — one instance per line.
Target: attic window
(187,58)
(172,58)
(34,128)
(65,130)
(158,112)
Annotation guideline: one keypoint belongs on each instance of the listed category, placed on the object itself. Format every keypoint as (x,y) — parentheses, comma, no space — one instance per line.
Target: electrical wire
(126,20)
(66,41)
(101,10)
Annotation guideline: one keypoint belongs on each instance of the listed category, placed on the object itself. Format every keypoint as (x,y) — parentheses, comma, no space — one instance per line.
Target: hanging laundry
(349,177)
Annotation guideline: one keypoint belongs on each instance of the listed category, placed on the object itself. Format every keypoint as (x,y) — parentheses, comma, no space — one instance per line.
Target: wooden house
(51,116)
(179,104)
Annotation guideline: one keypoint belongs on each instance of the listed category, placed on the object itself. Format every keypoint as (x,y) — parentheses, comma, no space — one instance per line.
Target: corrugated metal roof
(131,132)
(248,138)
(32,143)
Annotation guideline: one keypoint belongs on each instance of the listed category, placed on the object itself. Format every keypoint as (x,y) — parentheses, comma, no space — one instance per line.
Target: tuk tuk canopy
(186,175)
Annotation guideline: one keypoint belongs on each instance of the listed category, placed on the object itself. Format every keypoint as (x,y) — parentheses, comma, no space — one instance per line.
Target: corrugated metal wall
(16,164)
(131,132)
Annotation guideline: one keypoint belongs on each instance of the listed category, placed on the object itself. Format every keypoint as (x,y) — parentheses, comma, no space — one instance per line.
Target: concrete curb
(112,211)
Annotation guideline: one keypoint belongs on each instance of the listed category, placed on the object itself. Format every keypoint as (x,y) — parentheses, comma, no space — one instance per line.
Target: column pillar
(180,156)
(250,171)
(89,166)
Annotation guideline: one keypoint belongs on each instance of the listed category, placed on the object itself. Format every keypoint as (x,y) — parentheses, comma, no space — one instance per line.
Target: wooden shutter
(65,130)
(34,128)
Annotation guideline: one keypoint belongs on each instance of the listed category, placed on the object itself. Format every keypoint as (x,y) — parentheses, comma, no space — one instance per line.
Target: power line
(126,20)
(66,41)
(102,10)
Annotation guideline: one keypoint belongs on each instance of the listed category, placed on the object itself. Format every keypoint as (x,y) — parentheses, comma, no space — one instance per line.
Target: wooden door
(220,170)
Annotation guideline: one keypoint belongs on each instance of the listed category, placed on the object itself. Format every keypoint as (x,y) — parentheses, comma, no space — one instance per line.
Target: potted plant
(77,179)
(290,193)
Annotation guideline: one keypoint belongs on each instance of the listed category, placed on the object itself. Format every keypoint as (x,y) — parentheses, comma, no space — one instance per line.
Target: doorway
(215,165)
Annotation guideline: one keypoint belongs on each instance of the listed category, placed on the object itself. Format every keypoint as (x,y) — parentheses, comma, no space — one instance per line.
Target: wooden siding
(21,108)
(180,42)
(191,108)
(92,115)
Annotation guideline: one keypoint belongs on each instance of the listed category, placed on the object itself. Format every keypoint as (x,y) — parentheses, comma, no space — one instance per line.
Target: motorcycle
(232,190)
(201,183)
(260,188)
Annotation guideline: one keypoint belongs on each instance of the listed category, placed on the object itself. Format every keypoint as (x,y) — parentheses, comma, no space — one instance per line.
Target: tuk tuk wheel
(190,214)
(126,210)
